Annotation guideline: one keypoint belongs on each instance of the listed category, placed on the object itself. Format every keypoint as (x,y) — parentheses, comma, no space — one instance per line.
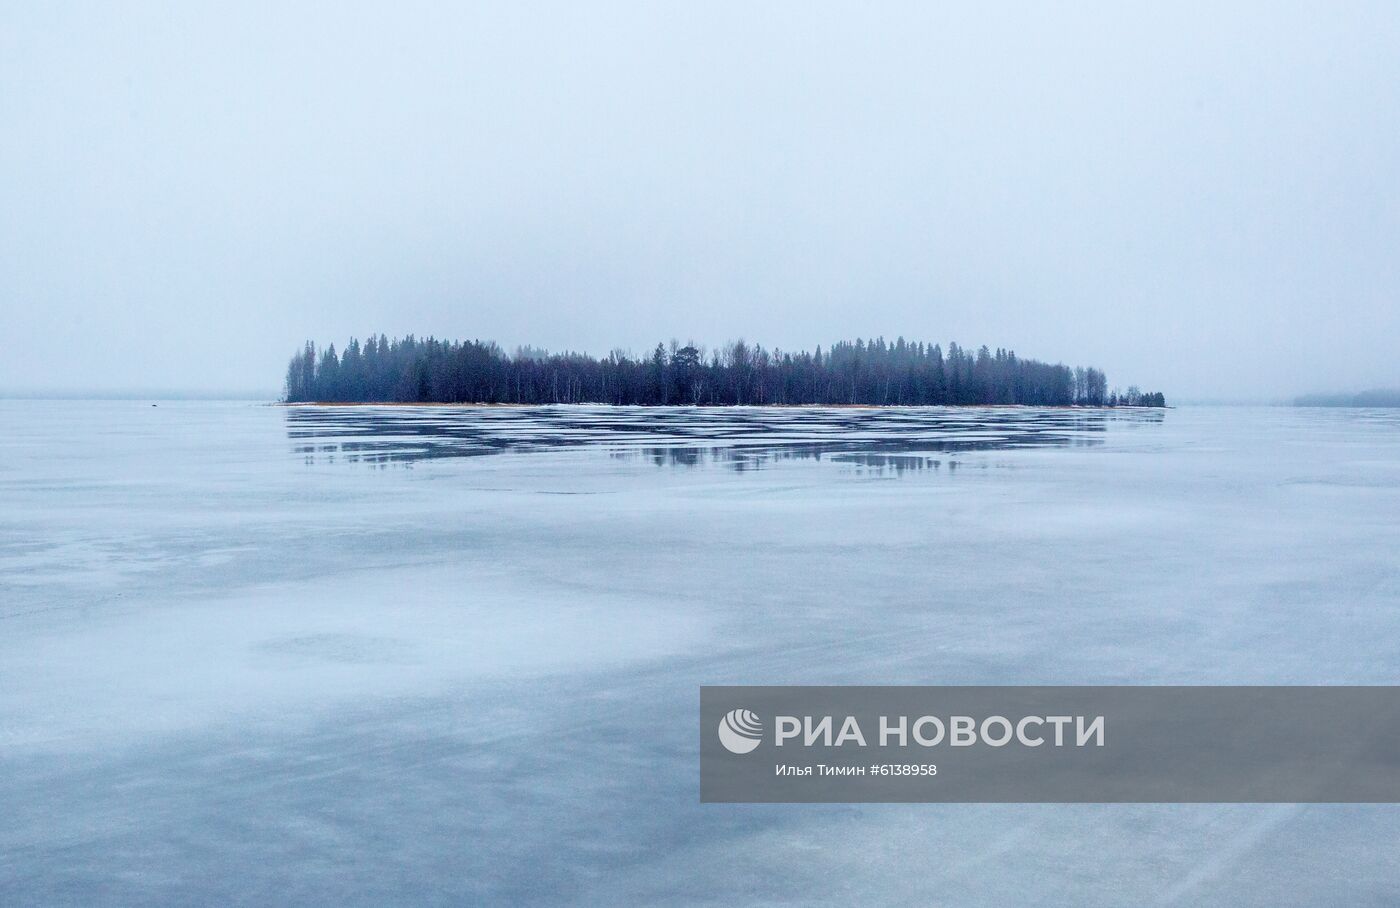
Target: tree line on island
(874,372)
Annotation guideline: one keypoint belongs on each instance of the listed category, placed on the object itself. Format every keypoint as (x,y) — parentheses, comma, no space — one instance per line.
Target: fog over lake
(354,551)
(1197,198)
(376,655)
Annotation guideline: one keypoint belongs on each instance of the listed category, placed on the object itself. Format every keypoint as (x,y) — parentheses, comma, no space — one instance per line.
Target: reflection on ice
(742,459)
(740,437)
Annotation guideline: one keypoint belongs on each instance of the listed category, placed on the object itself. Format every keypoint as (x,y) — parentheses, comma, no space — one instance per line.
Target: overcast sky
(1196,199)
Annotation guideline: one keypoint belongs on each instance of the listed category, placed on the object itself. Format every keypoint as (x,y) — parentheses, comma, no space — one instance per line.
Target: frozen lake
(368,655)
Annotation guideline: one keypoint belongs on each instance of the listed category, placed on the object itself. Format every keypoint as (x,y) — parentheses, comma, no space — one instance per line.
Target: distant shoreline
(1378,398)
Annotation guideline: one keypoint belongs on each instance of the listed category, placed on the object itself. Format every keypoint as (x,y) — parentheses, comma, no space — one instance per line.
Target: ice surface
(432,655)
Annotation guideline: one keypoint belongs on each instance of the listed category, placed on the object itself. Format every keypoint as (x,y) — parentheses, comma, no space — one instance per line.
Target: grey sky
(1196,199)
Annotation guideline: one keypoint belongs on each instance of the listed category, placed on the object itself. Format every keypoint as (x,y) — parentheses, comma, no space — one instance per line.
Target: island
(861,372)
